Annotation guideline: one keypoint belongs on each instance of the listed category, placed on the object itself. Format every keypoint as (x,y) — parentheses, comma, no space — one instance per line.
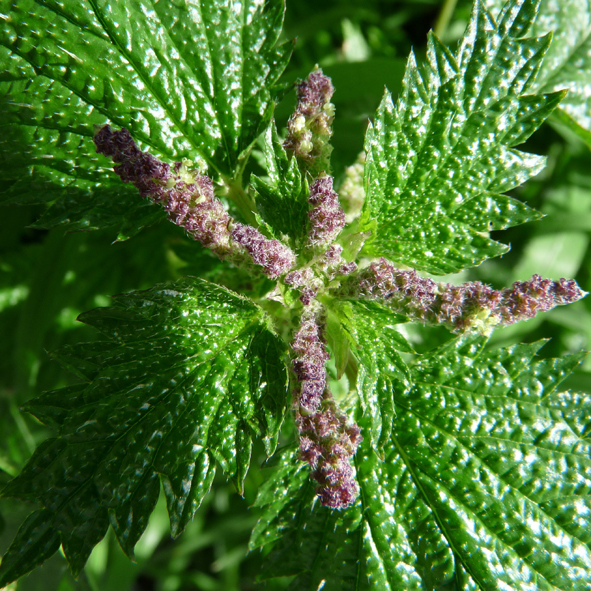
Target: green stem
(236,193)
(444,17)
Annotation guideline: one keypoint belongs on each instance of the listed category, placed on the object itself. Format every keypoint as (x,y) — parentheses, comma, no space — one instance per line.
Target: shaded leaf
(179,385)
(35,542)
(282,201)
(316,543)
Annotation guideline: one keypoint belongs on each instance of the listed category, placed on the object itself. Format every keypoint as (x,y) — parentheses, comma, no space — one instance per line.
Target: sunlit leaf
(567,65)
(484,484)
(438,159)
(190,79)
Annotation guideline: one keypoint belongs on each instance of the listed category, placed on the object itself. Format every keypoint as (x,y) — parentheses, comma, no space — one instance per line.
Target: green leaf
(282,201)
(377,345)
(568,62)
(567,65)
(318,544)
(100,206)
(438,159)
(188,375)
(190,79)
(36,541)
(47,156)
(485,484)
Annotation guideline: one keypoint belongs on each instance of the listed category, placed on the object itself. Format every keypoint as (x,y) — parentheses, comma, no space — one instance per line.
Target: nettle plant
(463,468)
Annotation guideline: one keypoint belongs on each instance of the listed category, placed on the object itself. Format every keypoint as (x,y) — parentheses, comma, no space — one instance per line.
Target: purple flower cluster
(333,264)
(190,202)
(148,174)
(307,282)
(191,205)
(309,364)
(310,126)
(275,258)
(326,221)
(327,440)
(472,305)
(327,218)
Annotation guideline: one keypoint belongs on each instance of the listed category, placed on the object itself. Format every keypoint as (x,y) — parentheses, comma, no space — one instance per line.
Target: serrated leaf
(450,139)
(34,543)
(188,373)
(484,485)
(282,201)
(377,344)
(47,156)
(567,65)
(316,543)
(189,79)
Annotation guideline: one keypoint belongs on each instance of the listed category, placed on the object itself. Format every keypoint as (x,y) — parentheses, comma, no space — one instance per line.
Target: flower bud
(351,191)
(327,439)
(310,126)
(471,306)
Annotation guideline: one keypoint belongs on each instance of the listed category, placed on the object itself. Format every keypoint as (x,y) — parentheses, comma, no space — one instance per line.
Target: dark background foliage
(48,278)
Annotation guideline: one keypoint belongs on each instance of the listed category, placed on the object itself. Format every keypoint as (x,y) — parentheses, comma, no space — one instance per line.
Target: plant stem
(236,193)
(444,17)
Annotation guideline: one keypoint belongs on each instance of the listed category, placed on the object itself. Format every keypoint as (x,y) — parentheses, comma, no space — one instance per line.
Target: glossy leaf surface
(567,65)
(438,159)
(282,200)
(47,156)
(191,79)
(484,485)
(188,376)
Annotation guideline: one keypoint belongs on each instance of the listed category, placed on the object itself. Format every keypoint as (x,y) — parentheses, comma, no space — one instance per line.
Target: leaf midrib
(434,512)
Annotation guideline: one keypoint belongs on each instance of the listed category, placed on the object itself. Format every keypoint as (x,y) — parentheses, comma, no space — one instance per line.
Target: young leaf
(188,376)
(195,79)
(484,485)
(438,159)
(377,344)
(282,202)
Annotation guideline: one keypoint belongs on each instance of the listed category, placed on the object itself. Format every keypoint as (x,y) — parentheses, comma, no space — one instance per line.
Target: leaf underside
(485,484)
(188,376)
(439,160)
